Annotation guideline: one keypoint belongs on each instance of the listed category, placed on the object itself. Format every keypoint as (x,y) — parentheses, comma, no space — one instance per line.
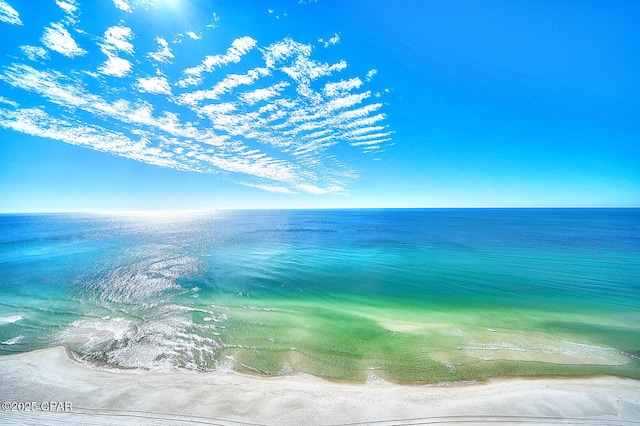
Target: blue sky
(181,104)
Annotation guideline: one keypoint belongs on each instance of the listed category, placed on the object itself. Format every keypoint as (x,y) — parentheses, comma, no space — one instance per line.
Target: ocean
(409,296)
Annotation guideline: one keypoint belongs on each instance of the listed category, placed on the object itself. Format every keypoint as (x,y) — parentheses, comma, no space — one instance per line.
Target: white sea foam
(501,346)
(525,349)
(452,368)
(89,333)
(561,352)
(372,379)
(592,351)
(286,369)
(456,332)
(167,340)
(12,341)
(11,319)
(147,330)
(219,307)
(225,365)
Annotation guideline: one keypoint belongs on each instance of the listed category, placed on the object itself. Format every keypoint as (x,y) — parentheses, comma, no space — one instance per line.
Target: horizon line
(200,211)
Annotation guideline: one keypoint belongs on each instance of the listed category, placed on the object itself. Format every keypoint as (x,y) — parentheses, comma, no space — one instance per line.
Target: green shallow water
(368,340)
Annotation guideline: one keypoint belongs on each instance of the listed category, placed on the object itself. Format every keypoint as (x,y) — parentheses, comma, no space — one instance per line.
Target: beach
(105,397)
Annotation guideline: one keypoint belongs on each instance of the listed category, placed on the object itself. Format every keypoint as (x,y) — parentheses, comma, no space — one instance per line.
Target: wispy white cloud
(34,52)
(335,39)
(115,66)
(163,54)
(239,47)
(8,102)
(226,85)
(36,122)
(371,144)
(218,109)
(214,18)
(283,50)
(346,101)
(371,136)
(123,5)
(273,126)
(366,121)
(303,69)
(293,59)
(363,130)
(313,189)
(58,39)
(8,14)
(151,147)
(263,94)
(48,84)
(270,188)
(370,74)
(69,6)
(341,87)
(116,38)
(193,35)
(154,85)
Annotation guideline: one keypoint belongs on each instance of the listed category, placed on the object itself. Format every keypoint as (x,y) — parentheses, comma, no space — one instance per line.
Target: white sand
(127,398)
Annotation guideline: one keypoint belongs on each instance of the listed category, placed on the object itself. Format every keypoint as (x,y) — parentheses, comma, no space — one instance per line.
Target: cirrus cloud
(58,39)
(264,115)
(8,14)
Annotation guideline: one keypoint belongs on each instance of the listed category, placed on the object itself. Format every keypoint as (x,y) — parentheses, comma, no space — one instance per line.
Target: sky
(200,105)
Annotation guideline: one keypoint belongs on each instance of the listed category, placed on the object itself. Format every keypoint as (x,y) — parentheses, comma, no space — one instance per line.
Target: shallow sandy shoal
(107,397)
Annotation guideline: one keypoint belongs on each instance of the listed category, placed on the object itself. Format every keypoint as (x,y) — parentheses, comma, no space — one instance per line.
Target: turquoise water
(400,295)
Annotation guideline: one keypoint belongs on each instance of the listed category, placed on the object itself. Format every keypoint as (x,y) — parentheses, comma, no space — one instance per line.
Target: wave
(11,319)
(167,342)
(12,341)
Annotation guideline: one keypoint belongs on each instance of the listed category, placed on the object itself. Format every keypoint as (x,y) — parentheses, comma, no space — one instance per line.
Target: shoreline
(99,396)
